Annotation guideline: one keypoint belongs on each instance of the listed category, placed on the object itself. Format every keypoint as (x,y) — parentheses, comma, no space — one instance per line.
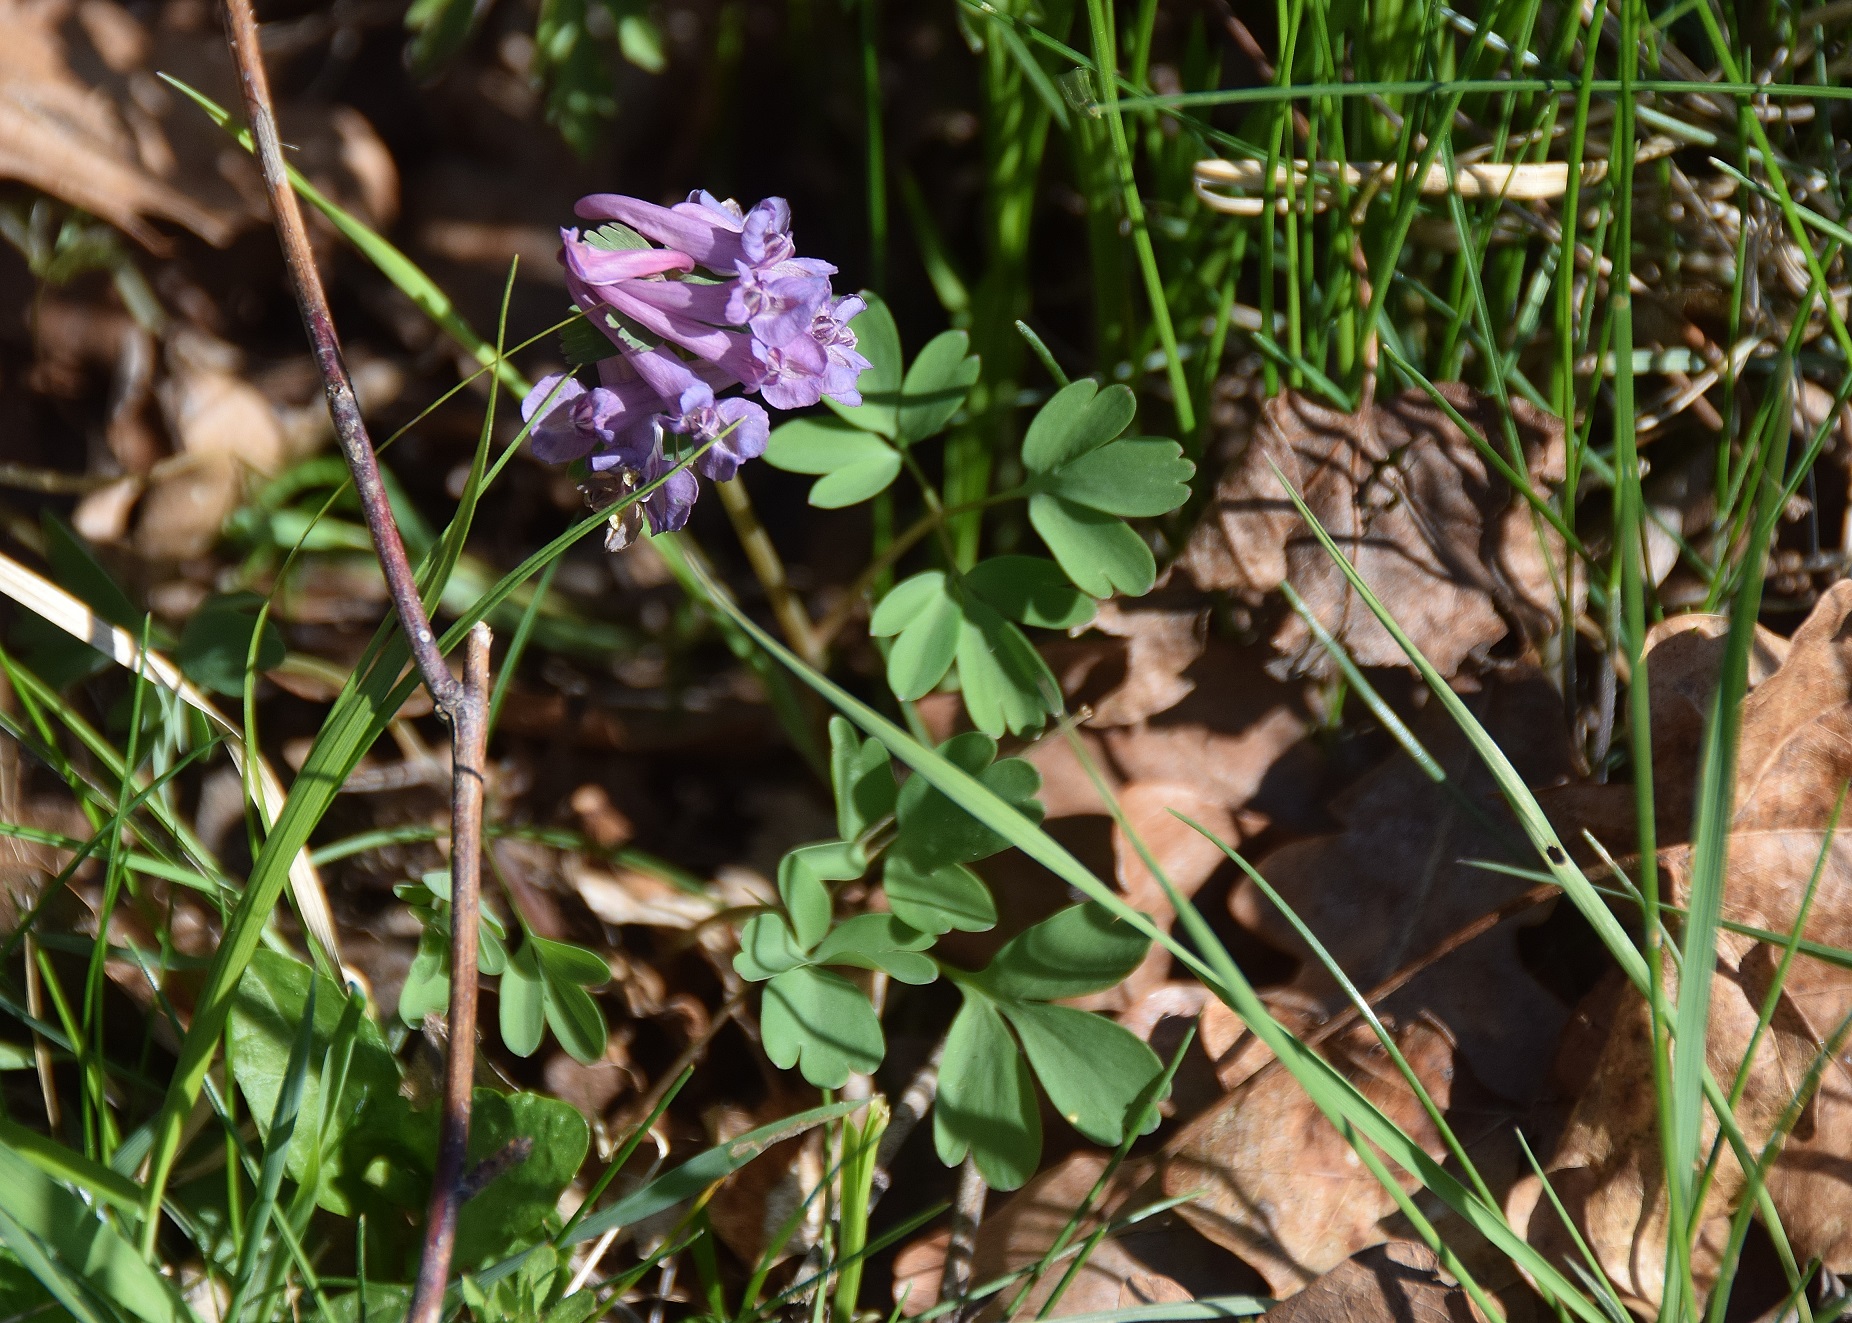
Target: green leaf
(858,464)
(440,29)
(693,1176)
(1031,590)
(267,1012)
(1098,551)
(879,941)
(928,621)
(935,386)
(878,341)
(803,876)
(854,483)
(862,777)
(950,897)
(427,982)
(1078,950)
(1079,418)
(523,994)
(1006,684)
(1093,1069)
(640,40)
(76,569)
(906,602)
(820,1022)
(217,640)
(986,1105)
(766,948)
(934,830)
(1136,477)
(575,1020)
(571,964)
(88,1249)
(514,1207)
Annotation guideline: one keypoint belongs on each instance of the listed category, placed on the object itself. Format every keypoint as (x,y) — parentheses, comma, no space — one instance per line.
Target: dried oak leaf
(1397,1282)
(1436,532)
(66,139)
(1794,760)
(1279,1184)
(1400,880)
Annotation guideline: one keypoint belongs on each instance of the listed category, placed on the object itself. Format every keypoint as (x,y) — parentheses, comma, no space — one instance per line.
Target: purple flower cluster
(770,324)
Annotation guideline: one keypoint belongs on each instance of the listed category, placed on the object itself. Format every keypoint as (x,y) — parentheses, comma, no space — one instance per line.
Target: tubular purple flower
(765,234)
(736,428)
(703,229)
(791,375)
(778,303)
(830,330)
(571,422)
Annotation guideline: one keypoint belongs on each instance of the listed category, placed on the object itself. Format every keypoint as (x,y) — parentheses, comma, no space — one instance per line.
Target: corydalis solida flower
(695,299)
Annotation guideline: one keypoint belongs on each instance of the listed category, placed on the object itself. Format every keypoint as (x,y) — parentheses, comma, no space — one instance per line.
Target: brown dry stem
(463,704)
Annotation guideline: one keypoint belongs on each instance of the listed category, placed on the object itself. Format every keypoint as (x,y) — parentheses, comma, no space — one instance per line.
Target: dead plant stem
(463,704)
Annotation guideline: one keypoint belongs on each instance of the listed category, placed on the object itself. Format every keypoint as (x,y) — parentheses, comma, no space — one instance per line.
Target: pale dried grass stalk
(44,598)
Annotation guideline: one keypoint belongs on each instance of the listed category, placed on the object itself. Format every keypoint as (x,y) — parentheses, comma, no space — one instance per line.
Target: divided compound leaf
(879,941)
(939,900)
(926,617)
(1071,953)
(1078,419)
(855,464)
(878,340)
(803,878)
(1006,684)
(1031,590)
(935,385)
(935,831)
(566,971)
(1083,480)
(986,1105)
(819,1021)
(862,777)
(523,1002)
(766,949)
(1100,552)
(1093,1069)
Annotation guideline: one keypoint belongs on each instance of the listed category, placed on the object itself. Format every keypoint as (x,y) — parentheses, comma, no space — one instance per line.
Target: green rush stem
(877,147)
(1106,62)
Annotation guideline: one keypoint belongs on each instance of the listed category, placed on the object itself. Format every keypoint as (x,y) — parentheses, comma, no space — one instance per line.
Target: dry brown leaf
(1433,529)
(1794,760)
(1281,1186)
(752,1206)
(1187,857)
(66,139)
(1022,1229)
(1398,1282)
(1397,882)
(1161,643)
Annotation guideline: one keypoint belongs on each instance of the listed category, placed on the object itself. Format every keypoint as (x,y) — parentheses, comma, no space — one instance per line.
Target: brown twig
(961,1251)
(350,428)
(463,704)
(469,749)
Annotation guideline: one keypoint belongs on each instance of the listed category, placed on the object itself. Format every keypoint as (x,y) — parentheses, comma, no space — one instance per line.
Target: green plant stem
(769,569)
(1105,61)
